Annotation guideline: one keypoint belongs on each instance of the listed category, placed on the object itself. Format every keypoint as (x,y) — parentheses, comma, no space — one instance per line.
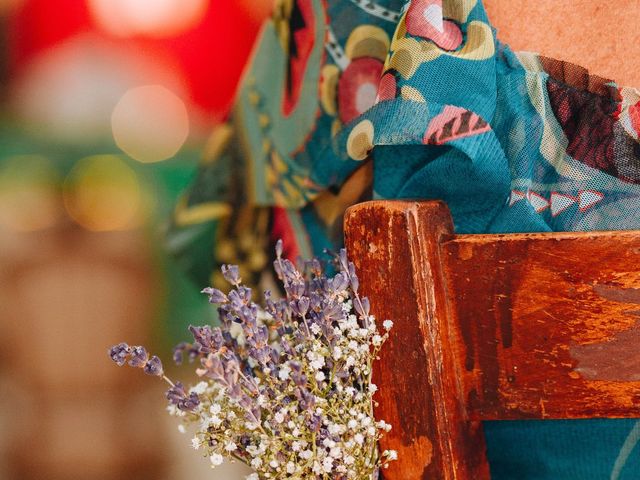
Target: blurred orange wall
(600,35)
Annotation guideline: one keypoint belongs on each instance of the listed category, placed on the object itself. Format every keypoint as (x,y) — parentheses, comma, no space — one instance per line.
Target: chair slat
(547,325)
(395,246)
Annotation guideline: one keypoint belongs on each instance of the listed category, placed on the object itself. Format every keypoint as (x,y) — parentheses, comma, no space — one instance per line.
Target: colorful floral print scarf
(348,100)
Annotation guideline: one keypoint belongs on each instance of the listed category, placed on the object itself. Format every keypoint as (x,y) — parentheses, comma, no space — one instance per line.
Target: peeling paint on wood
(510,326)
(618,294)
(616,360)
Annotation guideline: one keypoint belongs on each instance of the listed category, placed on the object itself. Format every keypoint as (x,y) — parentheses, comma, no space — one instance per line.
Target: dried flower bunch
(286,388)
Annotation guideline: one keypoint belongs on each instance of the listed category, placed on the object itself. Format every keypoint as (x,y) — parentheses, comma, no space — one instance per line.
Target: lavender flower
(215,295)
(154,367)
(120,353)
(185,402)
(139,357)
(285,388)
(231,274)
(184,348)
(207,339)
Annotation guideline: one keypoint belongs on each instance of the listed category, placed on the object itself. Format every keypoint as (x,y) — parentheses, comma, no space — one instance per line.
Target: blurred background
(105,106)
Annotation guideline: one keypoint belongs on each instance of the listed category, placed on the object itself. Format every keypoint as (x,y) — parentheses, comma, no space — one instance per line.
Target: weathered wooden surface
(395,247)
(493,327)
(548,325)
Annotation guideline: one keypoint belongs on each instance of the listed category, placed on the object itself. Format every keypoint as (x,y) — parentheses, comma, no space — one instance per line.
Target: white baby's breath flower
(284,373)
(200,388)
(216,459)
(196,443)
(387,325)
(337,353)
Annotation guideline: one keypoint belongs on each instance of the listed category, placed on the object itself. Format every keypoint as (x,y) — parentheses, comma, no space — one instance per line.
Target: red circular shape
(388,88)
(359,73)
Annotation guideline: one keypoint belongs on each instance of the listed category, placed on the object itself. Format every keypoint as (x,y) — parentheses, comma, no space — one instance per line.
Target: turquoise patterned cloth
(350,100)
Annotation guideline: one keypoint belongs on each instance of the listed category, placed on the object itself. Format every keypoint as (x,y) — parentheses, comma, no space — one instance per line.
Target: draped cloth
(349,100)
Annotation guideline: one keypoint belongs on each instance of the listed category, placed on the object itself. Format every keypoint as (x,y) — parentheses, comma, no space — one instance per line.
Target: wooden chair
(492,327)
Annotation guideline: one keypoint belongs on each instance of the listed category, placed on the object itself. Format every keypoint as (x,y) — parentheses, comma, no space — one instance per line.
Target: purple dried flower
(120,353)
(231,274)
(299,378)
(340,282)
(303,305)
(213,368)
(362,307)
(178,396)
(333,312)
(154,367)
(295,289)
(244,293)
(315,267)
(314,423)
(355,283)
(207,339)
(215,295)
(178,352)
(343,260)
(139,357)
(286,271)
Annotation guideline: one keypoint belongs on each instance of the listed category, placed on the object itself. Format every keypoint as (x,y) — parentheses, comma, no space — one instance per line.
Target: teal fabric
(563,449)
(513,142)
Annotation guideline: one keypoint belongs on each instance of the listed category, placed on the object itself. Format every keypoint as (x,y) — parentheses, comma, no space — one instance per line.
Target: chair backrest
(491,327)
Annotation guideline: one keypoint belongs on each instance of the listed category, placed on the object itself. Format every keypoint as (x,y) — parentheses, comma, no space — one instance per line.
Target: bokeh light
(29,194)
(152,18)
(68,91)
(102,193)
(150,123)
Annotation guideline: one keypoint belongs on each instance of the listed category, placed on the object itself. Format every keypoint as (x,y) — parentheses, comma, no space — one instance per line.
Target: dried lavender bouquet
(285,388)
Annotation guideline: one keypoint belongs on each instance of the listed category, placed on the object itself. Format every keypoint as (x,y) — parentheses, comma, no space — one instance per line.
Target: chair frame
(492,327)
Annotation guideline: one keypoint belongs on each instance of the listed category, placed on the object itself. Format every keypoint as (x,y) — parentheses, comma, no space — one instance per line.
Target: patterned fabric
(348,100)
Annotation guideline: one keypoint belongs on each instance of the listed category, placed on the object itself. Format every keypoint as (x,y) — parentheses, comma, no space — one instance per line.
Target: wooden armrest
(491,327)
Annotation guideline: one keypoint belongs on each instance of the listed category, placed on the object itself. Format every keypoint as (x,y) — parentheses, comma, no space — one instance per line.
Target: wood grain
(395,247)
(492,327)
(547,325)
